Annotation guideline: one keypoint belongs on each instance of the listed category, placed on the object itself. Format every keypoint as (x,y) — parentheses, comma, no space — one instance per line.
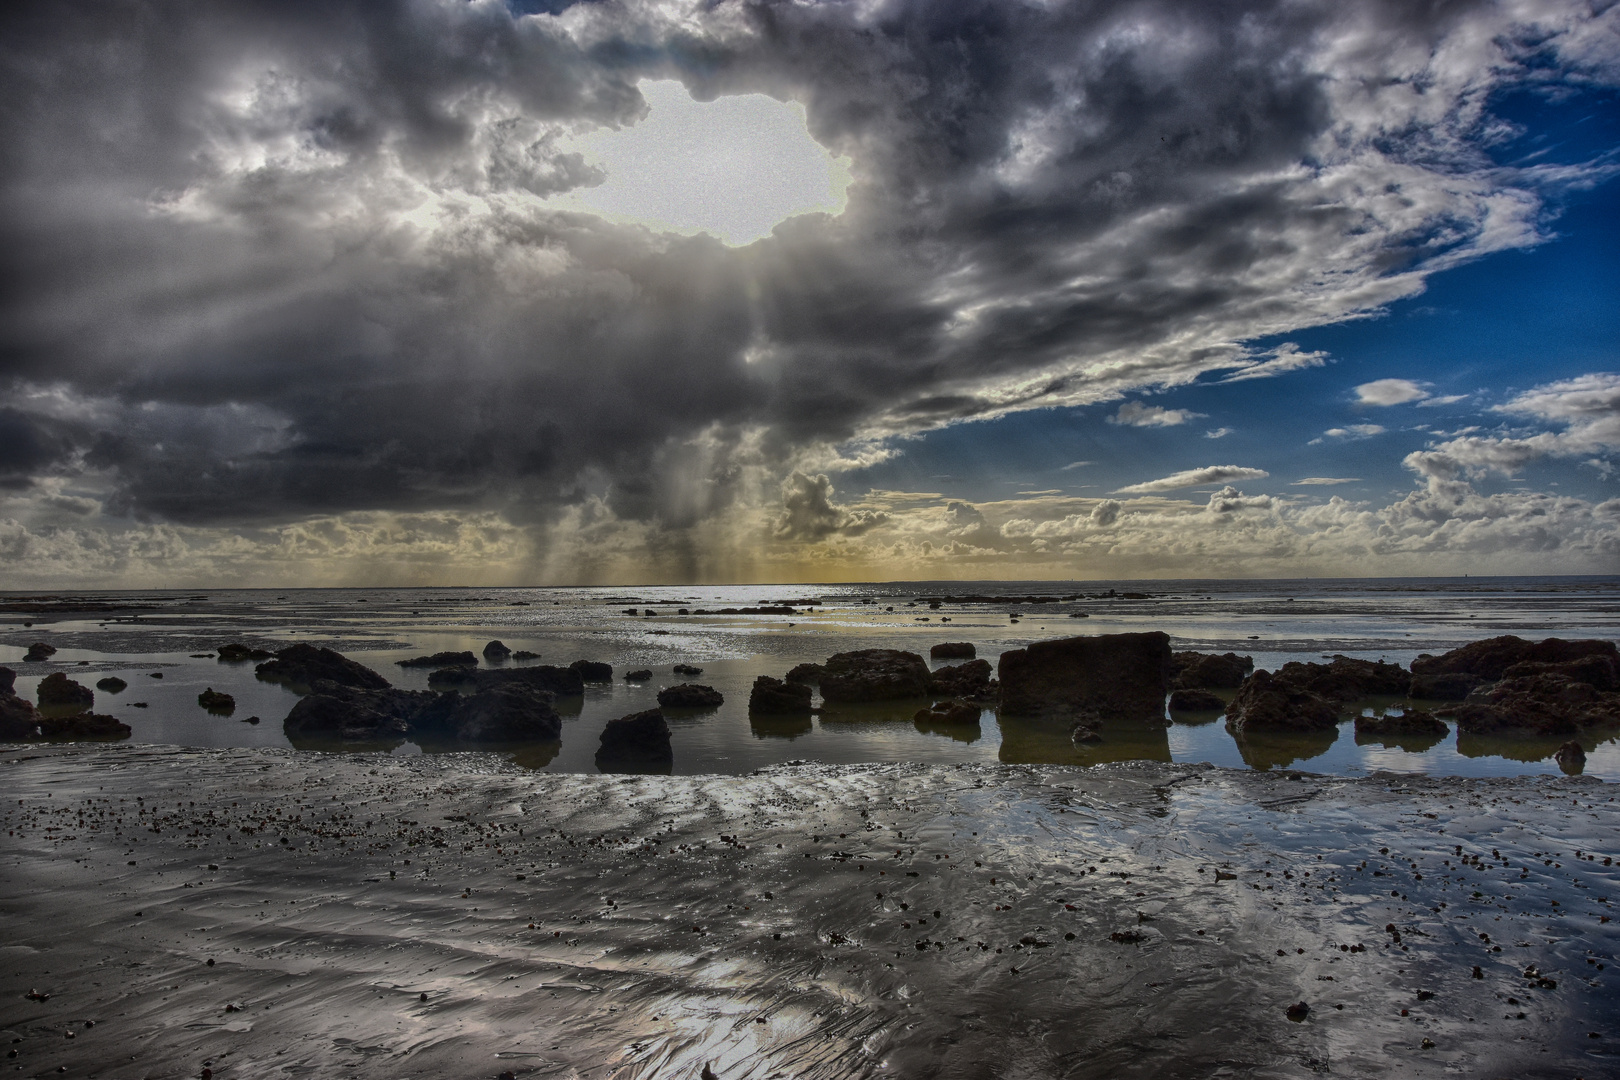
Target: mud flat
(271,912)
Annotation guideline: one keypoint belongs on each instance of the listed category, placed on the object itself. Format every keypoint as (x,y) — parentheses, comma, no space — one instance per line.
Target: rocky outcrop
(1444,686)
(636,743)
(1346,679)
(1413,723)
(336,710)
(640,675)
(564,682)
(1206,671)
(690,696)
(774,697)
(525,654)
(56,690)
(1546,704)
(235,653)
(497,650)
(38,652)
(305,665)
(948,714)
(953,650)
(591,671)
(1598,670)
(8,681)
(441,660)
(506,712)
(20,721)
(874,675)
(112,684)
(1490,658)
(810,674)
(1267,702)
(686,669)
(1112,676)
(216,702)
(969,680)
(1195,701)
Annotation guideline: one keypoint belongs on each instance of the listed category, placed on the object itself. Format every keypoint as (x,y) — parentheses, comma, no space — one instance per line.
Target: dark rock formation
(1598,670)
(39,651)
(305,665)
(112,684)
(1195,701)
(18,718)
(1490,658)
(1266,702)
(8,681)
(874,675)
(441,660)
(809,674)
(635,743)
(1346,679)
(1571,758)
(1112,676)
(969,680)
(690,696)
(1541,704)
(1205,671)
(1445,686)
(1413,722)
(21,721)
(506,712)
(686,669)
(525,654)
(953,650)
(948,714)
(1086,732)
(774,697)
(592,671)
(564,682)
(235,653)
(56,689)
(216,702)
(497,650)
(339,711)
(640,675)
(509,711)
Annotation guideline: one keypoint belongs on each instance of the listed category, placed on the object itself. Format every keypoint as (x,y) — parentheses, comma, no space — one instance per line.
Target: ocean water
(138,635)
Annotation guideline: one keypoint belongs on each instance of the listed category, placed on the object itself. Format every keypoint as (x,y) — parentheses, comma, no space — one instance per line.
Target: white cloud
(1135,414)
(1218,433)
(1209,474)
(1588,408)
(1356,431)
(1324,481)
(1389,392)
(1448,399)
(1284,358)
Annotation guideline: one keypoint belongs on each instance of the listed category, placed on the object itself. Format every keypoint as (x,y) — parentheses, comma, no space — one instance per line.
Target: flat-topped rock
(776,697)
(690,696)
(635,743)
(1491,657)
(1110,676)
(874,675)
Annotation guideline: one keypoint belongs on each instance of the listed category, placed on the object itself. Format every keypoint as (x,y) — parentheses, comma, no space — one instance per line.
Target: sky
(369,292)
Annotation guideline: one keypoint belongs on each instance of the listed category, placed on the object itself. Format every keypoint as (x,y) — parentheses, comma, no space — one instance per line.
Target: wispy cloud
(1281,360)
(1135,414)
(1326,481)
(1076,465)
(1189,478)
(1353,431)
(1390,392)
(1218,433)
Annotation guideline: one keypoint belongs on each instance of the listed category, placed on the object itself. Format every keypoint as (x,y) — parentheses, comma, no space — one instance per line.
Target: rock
(1267,702)
(235,653)
(774,697)
(1084,732)
(1204,671)
(348,712)
(216,702)
(38,652)
(1571,758)
(953,650)
(112,684)
(441,660)
(506,712)
(1546,704)
(640,740)
(690,696)
(1298,1012)
(8,681)
(809,674)
(497,650)
(1490,658)
(56,689)
(18,718)
(686,669)
(1346,679)
(1413,722)
(969,680)
(591,671)
(874,675)
(305,665)
(1195,701)
(525,654)
(1597,670)
(564,682)
(1445,686)
(640,675)
(948,714)
(1111,676)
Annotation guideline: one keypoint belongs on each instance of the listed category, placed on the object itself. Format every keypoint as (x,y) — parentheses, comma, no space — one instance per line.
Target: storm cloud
(271,264)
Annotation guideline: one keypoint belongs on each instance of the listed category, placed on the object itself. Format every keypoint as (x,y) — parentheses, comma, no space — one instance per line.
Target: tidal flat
(253,912)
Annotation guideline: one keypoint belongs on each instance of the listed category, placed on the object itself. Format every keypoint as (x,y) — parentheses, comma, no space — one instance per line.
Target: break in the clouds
(321,290)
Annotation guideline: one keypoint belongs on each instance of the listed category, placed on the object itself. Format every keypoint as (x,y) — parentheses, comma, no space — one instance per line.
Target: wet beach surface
(135,635)
(274,912)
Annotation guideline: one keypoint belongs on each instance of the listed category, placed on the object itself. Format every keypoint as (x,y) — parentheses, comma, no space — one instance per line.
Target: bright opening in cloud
(735,167)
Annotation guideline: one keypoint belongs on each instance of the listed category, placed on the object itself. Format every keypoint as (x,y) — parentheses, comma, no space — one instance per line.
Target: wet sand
(458,916)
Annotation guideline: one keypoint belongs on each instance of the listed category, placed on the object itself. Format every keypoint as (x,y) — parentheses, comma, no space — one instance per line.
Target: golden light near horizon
(735,167)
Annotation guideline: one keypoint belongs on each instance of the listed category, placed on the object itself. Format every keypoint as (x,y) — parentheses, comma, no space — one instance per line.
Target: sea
(163,643)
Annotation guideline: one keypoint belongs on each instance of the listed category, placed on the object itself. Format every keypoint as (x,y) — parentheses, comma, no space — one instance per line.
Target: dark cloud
(278,259)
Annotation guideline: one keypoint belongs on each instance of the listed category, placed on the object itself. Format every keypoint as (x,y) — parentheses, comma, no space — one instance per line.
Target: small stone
(1298,1011)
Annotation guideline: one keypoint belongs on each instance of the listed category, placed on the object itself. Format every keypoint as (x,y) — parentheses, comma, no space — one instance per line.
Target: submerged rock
(1195,701)
(948,714)
(441,660)
(1490,658)
(592,671)
(497,650)
(1204,671)
(1412,722)
(690,696)
(1269,703)
(874,675)
(112,684)
(216,702)
(39,651)
(1111,676)
(774,697)
(235,653)
(1444,686)
(953,650)
(970,680)
(56,689)
(636,742)
(305,665)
